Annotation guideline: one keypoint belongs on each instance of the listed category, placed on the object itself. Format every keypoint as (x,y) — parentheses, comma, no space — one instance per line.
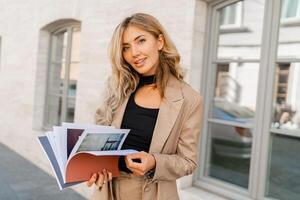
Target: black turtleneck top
(141,122)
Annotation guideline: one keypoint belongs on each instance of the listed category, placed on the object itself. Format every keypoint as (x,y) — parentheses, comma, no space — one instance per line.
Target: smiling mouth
(140,62)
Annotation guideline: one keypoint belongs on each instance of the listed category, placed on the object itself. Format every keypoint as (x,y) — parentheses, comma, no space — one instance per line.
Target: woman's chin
(145,71)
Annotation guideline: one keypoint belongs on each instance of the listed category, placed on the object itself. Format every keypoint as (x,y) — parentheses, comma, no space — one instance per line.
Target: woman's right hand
(100,178)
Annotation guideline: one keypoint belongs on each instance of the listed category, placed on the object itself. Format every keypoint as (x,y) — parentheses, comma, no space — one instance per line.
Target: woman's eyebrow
(125,43)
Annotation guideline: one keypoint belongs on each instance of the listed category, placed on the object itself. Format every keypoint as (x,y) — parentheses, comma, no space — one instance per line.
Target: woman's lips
(140,62)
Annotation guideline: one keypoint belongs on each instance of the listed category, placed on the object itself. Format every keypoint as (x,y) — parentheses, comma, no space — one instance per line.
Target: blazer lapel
(167,115)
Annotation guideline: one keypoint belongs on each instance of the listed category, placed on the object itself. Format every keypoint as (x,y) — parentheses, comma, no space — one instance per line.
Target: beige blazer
(175,139)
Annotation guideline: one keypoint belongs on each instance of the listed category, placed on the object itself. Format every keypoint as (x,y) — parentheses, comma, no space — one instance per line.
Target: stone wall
(24,50)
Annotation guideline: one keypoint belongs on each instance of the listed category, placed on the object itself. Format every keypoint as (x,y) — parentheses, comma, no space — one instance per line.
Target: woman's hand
(147,162)
(100,178)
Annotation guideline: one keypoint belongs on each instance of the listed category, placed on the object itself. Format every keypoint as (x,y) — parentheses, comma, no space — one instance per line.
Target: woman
(146,93)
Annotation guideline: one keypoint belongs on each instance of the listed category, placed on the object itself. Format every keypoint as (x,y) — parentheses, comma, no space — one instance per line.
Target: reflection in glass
(57,47)
(231,139)
(290,9)
(73,74)
(240,30)
(287,96)
(55,81)
(54,106)
(73,77)
(235,92)
(289,31)
(70,110)
(63,76)
(72,88)
(284,173)
(230,153)
(231,15)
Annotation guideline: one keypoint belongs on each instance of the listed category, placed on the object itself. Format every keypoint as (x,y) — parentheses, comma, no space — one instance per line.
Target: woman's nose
(135,51)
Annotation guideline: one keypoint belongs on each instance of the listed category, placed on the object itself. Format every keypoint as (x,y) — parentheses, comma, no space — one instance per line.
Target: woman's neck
(147,80)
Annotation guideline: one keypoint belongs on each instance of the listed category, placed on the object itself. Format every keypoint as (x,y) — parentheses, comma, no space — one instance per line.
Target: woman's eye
(125,49)
(142,41)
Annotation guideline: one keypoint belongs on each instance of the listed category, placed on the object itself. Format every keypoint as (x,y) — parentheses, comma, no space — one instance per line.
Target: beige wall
(22,79)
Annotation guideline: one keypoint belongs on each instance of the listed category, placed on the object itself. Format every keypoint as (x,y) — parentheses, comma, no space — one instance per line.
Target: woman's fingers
(104,171)
(109,176)
(130,163)
(92,180)
(136,171)
(147,162)
(100,180)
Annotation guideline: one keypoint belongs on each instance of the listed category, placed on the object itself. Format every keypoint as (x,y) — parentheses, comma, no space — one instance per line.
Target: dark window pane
(284,175)
(230,153)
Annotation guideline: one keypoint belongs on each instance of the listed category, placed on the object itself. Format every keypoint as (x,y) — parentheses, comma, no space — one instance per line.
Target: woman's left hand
(147,162)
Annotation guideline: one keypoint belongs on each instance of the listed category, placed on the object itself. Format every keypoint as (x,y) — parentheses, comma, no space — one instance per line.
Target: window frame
(68,28)
(260,154)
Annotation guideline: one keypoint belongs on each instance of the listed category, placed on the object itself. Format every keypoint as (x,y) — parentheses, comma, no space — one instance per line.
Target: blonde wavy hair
(124,78)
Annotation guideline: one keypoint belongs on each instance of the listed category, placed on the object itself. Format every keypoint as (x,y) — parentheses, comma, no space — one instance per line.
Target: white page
(51,138)
(123,152)
(59,135)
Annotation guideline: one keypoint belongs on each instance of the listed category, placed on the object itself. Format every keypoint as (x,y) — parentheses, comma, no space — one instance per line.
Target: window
(62,75)
(251,125)
(231,16)
(231,122)
(290,9)
(284,133)
(234,70)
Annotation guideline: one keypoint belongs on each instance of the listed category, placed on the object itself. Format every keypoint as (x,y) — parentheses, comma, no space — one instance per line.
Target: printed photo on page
(93,140)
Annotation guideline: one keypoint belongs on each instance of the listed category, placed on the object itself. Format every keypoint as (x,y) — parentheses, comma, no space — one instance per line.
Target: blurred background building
(243,56)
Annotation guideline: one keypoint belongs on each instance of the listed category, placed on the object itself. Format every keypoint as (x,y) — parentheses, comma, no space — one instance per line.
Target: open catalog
(76,151)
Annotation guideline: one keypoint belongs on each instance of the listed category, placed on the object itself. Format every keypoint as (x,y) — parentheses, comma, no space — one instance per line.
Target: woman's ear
(160,41)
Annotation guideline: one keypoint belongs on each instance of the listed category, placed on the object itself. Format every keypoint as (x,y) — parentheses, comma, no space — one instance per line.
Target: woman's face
(141,50)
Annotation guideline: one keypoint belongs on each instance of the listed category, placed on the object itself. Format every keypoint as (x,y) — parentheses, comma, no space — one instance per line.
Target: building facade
(243,56)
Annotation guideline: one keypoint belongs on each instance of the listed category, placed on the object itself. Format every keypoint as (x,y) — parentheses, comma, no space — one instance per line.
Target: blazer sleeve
(184,162)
